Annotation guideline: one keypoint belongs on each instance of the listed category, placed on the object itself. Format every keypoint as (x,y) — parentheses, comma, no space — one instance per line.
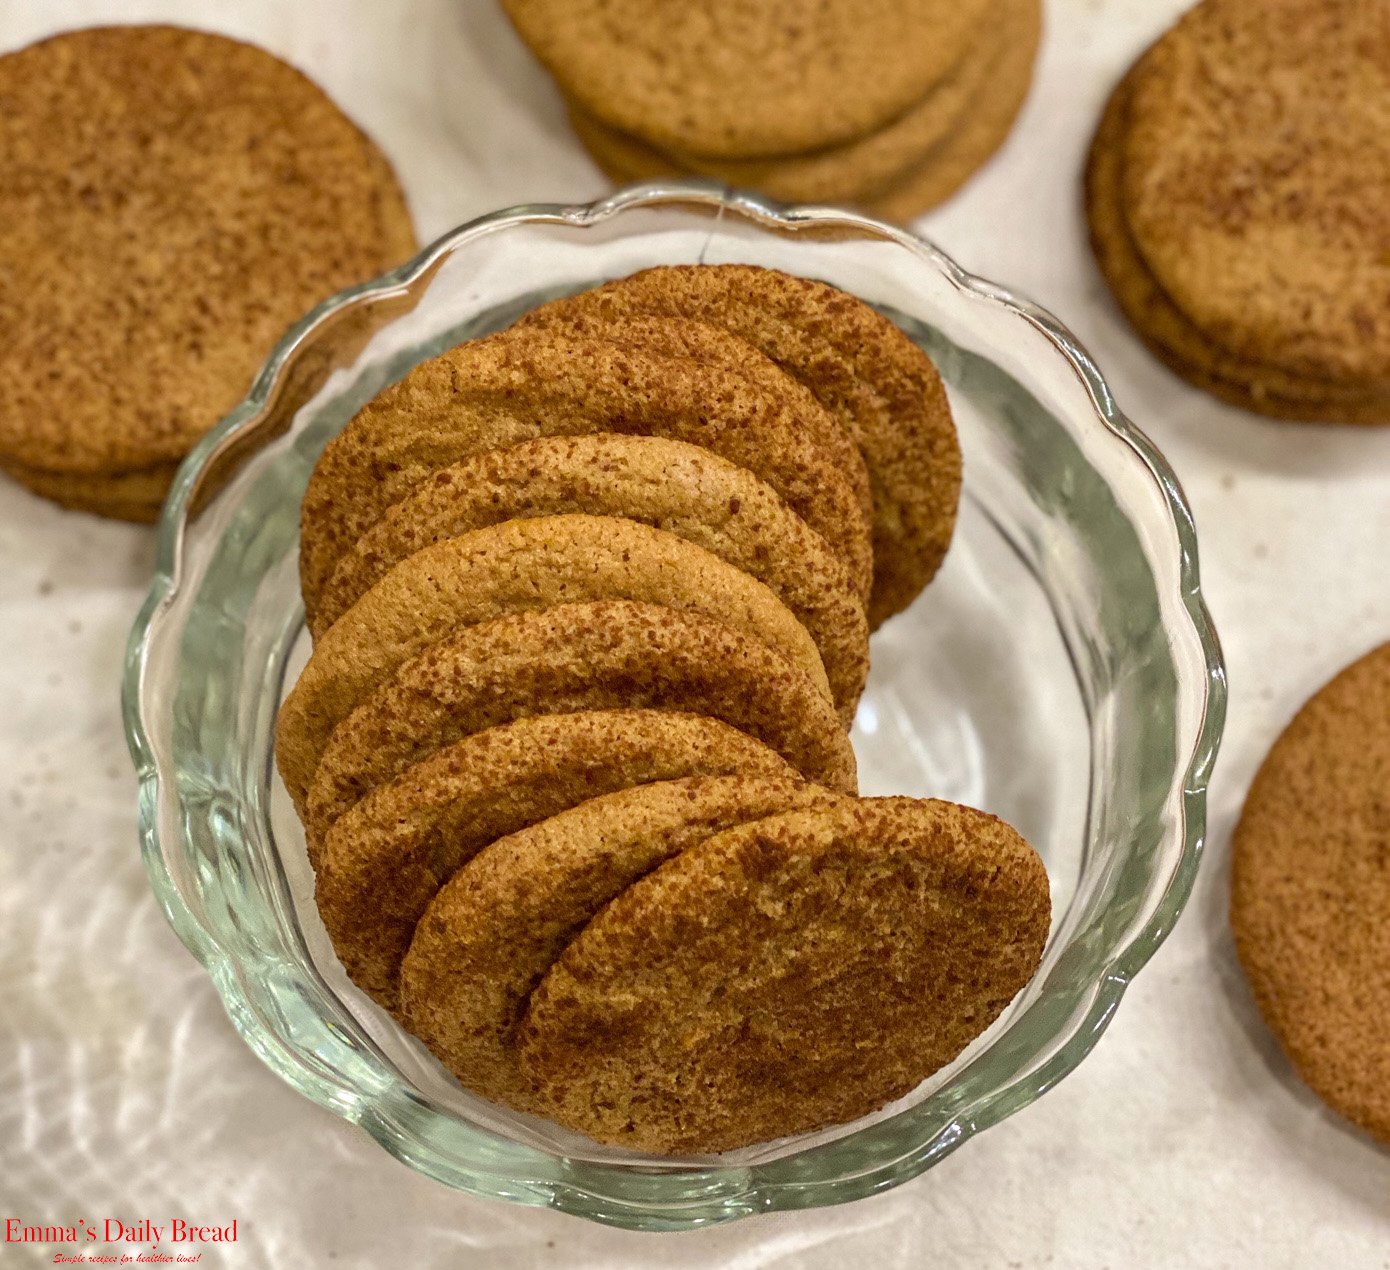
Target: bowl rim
(572,1194)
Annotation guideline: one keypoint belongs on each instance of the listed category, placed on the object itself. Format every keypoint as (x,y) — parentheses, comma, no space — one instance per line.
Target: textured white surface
(1183,1141)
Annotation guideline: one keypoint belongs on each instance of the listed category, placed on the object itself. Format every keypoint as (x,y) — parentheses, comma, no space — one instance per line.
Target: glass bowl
(1061,672)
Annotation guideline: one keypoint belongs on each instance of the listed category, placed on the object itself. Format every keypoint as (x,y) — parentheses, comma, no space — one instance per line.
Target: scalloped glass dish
(1061,672)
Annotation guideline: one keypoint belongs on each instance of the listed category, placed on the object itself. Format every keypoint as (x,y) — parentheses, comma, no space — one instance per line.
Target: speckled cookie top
(500,922)
(387,857)
(525,383)
(601,655)
(787,974)
(171,201)
(518,565)
(846,172)
(1172,335)
(681,489)
(1257,179)
(860,366)
(1310,892)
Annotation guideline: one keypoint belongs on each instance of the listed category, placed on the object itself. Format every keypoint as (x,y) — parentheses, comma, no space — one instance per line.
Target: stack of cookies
(1238,192)
(590,602)
(890,105)
(171,201)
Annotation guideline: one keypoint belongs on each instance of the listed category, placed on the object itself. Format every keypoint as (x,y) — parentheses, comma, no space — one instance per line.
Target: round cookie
(1169,333)
(786,974)
(500,922)
(487,394)
(834,174)
(859,365)
(86,494)
(385,859)
(682,489)
(1310,892)
(172,200)
(577,657)
(986,125)
(727,79)
(685,337)
(1256,180)
(136,495)
(518,565)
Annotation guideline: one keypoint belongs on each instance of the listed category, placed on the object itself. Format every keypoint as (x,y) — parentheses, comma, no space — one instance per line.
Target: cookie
(686,337)
(517,565)
(985,127)
(172,200)
(141,491)
(385,859)
(1256,180)
(834,174)
(132,496)
(1169,333)
(500,922)
(727,79)
(487,394)
(785,975)
(1310,891)
(682,489)
(859,365)
(599,656)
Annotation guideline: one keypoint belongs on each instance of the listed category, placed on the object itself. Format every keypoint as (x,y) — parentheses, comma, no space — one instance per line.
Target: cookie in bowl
(589,601)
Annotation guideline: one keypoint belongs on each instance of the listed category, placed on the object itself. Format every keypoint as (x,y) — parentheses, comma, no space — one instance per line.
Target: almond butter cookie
(518,565)
(786,974)
(1170,333)
(385,859)
(173,201)
(730,80)
(490,393)
(596,656)
(1310,892)
(1256,181)
(499,923)
(859,365)
(681,489)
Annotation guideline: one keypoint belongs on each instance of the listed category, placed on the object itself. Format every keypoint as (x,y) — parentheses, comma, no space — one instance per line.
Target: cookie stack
(591,601)
(171,201)
(880,103)
(1238,191)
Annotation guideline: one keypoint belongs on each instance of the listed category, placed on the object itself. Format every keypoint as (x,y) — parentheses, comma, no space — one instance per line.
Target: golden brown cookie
(516,566)
(598,656)
(385,859)
(1310,892)
(145,489)
(500,922)
(864,370)
(985,127)
(682,489)
(784,975)
(1170,334)
(728,79)
(133,496)
(487,394)
(1256,180)
(834,174)
(172,201)
(685,337)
